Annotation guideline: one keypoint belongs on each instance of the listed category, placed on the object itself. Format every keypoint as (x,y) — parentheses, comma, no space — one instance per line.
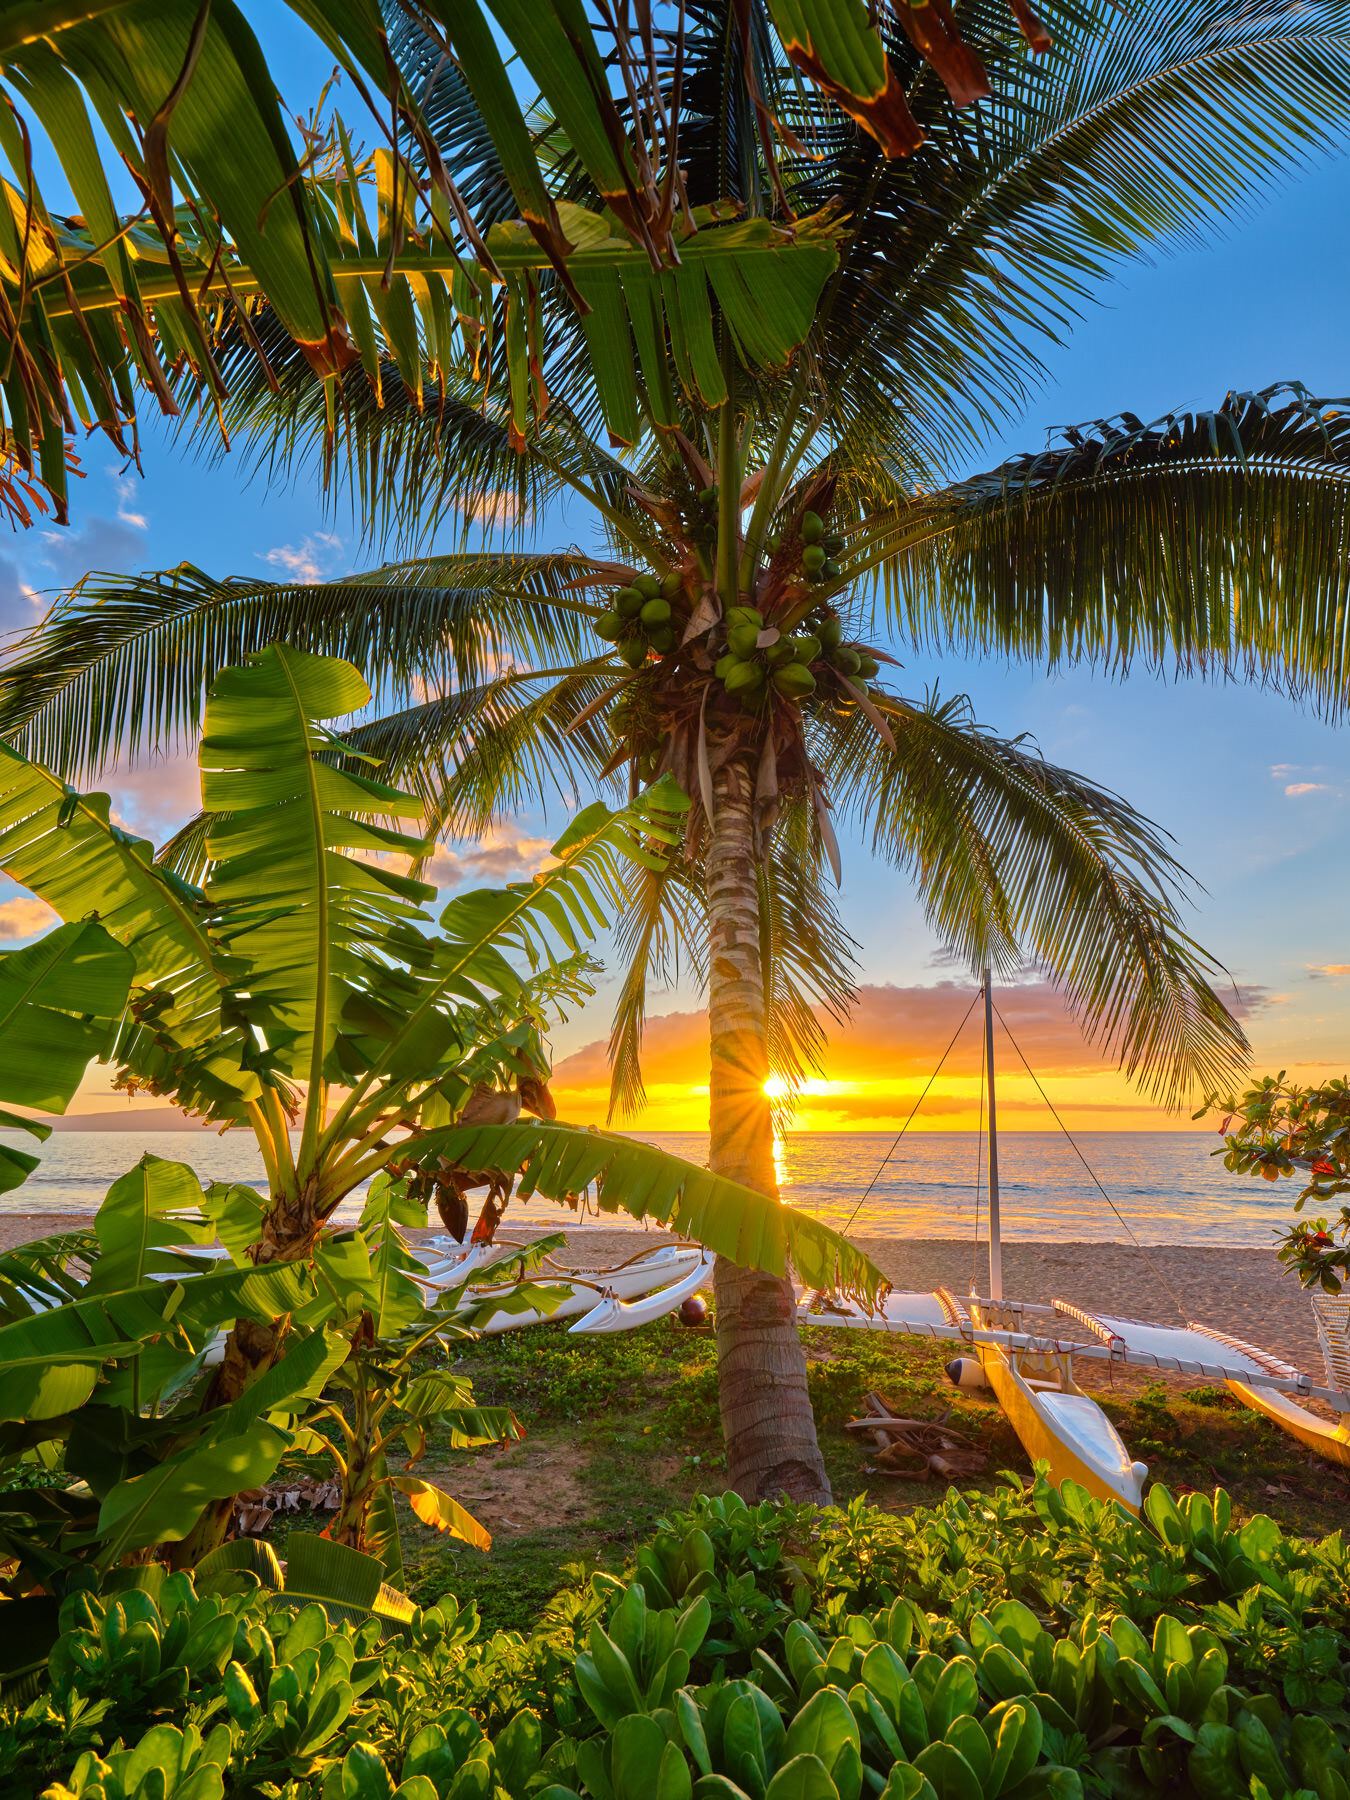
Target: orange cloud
(25,917)
(878,1065)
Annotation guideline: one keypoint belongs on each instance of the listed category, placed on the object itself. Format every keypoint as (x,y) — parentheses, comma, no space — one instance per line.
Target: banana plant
(107,1383)
(299,991)
(380,1396)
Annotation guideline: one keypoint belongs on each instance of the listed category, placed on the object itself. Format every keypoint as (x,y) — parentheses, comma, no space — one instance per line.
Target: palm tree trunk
(767,1421)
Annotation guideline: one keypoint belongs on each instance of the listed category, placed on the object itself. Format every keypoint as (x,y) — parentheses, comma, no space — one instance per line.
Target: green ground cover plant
(1018,1643)
(633,1422)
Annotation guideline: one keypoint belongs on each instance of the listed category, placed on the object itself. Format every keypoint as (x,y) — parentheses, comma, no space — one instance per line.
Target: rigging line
(979,1165)
(910,1120)
(1157,1273)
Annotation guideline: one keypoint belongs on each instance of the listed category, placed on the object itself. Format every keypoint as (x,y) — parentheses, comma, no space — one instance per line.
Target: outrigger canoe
(608,1300)
(1026,1354)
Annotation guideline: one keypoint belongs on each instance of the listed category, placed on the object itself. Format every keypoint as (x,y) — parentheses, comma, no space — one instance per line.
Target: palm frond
(1017,860)
(808,957)
(410,458)
(476,754)
(660,931)
(124,662)
(1142,127)
(1214,541)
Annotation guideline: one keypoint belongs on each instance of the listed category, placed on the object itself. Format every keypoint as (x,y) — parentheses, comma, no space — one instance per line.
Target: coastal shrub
(1020,1645)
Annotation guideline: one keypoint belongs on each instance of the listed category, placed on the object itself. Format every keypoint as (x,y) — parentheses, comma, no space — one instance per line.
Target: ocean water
(1166,1187)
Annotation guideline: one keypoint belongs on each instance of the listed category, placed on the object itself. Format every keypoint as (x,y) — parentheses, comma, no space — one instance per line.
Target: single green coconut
(743,615)
(781,652)
(742,640)
(771,542)
(813,559)
(610,627)
(806,649)
(662,639)
(672,584)
(724,665)
(634,652)
(832,570)
(655,612)
(846,660)
(745,678)
(832,545)
(628,601)
(648,585)
(795,681)
(868,666)
(706,494)
(812,528)
(830,631)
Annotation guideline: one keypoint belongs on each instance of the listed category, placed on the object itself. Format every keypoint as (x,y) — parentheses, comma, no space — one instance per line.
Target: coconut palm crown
(771,524)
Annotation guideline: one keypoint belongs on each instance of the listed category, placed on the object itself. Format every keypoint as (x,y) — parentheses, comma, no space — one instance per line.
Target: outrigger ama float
(1025,1353)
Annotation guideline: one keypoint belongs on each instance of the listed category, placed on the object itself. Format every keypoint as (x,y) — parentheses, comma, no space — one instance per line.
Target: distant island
(132,1118)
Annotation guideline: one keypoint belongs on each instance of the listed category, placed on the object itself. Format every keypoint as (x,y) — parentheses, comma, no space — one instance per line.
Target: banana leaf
(57,1000)
(567,1162)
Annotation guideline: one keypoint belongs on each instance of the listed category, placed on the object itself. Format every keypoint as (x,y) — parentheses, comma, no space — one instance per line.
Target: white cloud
(125,487)
(25,917)
(309,561)
(1316,971)
(493,509)
(502,854)
(1307,787)
(154,797)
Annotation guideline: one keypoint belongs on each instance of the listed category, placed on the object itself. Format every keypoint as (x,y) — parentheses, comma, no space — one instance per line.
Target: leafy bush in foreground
(1018,1647)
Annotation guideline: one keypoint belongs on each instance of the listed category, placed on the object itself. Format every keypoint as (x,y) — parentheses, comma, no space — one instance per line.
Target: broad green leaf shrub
(1019,1647)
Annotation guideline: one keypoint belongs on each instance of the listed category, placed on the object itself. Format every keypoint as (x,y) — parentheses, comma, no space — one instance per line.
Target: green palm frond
(808,957)
(659,933)
(124,662)
(1017,860)
(477,754)
(1205,540)
(1140,127)
(416,457)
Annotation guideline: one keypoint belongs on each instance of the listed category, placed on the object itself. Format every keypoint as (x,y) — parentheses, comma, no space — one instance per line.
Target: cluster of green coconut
(818,551)
(639,619)
(784,665)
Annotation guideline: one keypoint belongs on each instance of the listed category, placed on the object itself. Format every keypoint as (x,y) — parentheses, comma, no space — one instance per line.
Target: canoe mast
(995,1230)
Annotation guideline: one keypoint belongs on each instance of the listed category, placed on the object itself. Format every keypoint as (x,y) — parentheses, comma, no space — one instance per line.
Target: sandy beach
(1243,1292)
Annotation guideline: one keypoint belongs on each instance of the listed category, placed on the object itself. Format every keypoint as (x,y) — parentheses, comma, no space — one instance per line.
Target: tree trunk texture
(767,1421)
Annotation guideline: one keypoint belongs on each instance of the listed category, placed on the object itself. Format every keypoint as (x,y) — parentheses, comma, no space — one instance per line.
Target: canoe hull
(1331,1442)
(1067,1430)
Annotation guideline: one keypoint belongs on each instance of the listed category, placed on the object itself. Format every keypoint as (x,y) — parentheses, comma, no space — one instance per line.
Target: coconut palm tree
(753,508)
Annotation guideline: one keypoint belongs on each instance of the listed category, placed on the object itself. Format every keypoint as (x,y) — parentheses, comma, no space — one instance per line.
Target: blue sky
(1252,787)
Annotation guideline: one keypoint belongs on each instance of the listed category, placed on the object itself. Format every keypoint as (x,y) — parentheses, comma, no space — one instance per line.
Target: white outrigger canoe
(607,1300)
